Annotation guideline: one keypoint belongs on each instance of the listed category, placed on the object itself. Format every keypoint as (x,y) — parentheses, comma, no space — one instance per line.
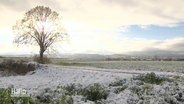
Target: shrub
(46,96)
(147,88)
(66,100)
(120,88)
(45,59)
(49,96)
(101,102)
(17,67)
(70,89)
(118,83)
(136,89)
(151,78)
(5,98)
(95,92)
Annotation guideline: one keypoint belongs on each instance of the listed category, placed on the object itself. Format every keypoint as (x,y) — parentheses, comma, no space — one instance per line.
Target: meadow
(76,81)
(128,65)
(169,66)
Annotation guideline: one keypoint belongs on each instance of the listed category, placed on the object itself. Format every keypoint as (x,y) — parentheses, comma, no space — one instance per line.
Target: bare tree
(40,26)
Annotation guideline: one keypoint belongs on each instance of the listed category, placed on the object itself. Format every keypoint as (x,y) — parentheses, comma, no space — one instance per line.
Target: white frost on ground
(50,76)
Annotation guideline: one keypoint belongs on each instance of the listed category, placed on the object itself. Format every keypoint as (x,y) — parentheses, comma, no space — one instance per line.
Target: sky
(103,26)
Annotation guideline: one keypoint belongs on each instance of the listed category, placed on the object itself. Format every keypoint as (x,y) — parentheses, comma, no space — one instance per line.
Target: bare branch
(40,26)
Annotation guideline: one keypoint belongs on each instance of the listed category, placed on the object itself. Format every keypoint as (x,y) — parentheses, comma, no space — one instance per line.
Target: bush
(17,67)
(5,98)
(46,96)
(66,100)
(62,95)
(151,78)
(95,92)
(136,89)
(70,89)
(46,60)
(118,83)
(120,88)
(49,96)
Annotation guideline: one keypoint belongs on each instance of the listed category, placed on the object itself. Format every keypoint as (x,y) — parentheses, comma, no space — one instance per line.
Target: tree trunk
(41,55)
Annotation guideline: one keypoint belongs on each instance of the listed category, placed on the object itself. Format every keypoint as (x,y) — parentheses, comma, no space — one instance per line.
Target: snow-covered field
(52,76)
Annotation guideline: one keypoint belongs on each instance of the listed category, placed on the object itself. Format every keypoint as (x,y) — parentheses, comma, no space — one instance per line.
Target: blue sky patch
(154,31)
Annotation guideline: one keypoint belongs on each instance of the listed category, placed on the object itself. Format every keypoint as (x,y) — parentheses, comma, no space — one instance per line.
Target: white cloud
(105,13)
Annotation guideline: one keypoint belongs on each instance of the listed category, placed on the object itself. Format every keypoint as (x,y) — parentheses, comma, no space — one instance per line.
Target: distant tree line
(145,59)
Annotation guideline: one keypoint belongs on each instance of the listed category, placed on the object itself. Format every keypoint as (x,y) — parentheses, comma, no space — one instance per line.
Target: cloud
(154,11)
(16,5)
(106,13)
(178,47)
(23,5)
(123,3)
(95,25)
(103,43)
(164,48)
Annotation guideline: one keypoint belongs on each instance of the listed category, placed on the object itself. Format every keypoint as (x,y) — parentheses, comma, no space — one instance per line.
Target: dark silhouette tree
(40,26)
